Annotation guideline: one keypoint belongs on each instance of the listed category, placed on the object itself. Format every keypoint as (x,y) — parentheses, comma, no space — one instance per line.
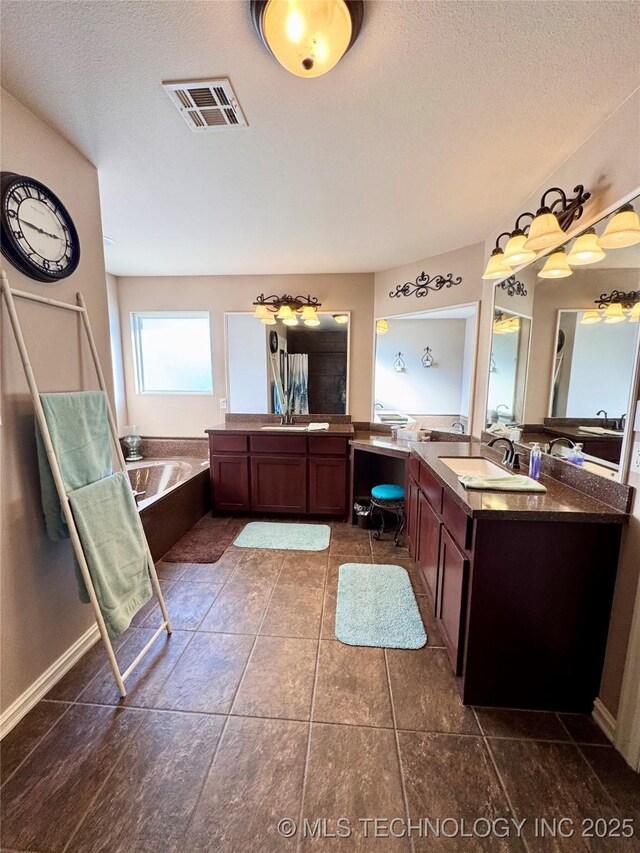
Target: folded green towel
(114,545)
(509,483)
(79,429)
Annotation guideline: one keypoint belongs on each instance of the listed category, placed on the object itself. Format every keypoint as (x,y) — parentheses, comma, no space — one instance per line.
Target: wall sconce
(399,364)
(382,327)
(427,358)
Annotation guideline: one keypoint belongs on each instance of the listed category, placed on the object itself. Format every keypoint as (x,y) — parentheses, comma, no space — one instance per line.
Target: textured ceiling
(439,120)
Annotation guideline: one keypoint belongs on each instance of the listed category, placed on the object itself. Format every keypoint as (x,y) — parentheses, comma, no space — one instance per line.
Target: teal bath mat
(284,537)
(376,607)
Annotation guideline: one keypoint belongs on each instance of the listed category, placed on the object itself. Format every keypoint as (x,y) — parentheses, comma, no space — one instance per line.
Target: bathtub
(173,494)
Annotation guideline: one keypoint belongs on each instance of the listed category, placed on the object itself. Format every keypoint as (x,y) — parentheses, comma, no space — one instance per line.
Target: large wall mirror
(424,367)
(272,369)
(572,380)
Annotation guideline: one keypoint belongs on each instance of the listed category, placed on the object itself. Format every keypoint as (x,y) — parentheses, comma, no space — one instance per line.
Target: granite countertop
(375,443)
(559,503)
(244,427)
(576,434)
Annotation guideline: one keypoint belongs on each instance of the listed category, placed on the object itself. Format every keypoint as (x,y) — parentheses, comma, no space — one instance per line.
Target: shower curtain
(297,391)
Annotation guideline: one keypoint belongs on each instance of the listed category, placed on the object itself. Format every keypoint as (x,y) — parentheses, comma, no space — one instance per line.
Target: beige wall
(609,167)
(185,415)
(465,262)
(41,615)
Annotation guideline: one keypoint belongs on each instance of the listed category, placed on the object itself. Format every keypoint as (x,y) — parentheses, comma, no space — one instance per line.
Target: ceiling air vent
(206,104)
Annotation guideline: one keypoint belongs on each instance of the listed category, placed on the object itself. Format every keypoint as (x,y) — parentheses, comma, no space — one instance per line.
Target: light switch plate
(223,402)
(636,423)
(635,458)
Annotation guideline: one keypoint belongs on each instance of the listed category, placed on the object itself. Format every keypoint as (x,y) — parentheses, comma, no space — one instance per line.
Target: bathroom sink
(476,466)
(285,427)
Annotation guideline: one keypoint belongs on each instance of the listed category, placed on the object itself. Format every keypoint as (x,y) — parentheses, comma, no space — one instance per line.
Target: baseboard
(41,686)
(605,719)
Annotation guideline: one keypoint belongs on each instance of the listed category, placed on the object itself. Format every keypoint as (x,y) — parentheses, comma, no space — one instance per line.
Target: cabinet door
(279,484)
(327,485)
(429,545)
(451,605)
(412,517)
(230,482)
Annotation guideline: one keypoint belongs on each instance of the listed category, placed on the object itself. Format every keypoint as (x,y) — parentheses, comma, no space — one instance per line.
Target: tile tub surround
(561,501)
(234,725)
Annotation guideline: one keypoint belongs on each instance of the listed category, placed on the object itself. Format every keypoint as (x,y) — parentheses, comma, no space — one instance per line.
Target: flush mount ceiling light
(623,230)
(586,249)
(308,37)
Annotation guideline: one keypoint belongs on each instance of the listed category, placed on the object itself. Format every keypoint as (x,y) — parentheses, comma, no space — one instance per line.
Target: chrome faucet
(549,447)
(286,419)
(511,459)
(602,412)
(620,423)
(459,424)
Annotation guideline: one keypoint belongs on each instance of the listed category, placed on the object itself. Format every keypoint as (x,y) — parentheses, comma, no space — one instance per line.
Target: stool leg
(380,529)
(399,527)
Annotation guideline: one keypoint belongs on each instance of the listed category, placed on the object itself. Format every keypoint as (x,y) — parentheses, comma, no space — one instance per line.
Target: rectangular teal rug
(284,537)
(376,607)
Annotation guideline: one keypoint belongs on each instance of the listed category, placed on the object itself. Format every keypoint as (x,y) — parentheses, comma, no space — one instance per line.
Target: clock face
(38,235)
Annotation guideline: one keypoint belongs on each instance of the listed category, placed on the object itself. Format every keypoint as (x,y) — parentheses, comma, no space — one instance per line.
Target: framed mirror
(424,367)
(583,301)
(274,368)
(510,340)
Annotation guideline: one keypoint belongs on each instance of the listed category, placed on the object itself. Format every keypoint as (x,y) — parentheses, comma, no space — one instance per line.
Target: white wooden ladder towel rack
(9,293)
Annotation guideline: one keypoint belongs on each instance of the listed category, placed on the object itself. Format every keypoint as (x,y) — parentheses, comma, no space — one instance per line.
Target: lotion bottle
(535,459)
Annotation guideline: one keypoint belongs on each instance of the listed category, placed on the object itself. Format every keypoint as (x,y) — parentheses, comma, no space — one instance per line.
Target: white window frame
(138,361)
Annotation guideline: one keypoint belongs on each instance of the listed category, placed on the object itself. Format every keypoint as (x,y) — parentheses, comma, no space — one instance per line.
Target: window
(172,352)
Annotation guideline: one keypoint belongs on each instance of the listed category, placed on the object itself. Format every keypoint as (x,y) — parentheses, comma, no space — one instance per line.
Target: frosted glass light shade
(590,317)
(308,312)
(382,327)
(496,266)
(623,230)
(515,253)
(634,314)
(312,321)
(556,266)
(269,321)
(585,250)
(341,318)
(614,313)
(261,312)
(544,231)
(307,37)
(291,321)
(284,313)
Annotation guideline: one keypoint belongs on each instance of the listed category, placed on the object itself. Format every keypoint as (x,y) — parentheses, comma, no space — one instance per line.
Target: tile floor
(252,712)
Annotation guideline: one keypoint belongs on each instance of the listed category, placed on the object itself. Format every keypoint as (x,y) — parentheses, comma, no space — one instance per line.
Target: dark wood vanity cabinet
(263,472)
(522,605)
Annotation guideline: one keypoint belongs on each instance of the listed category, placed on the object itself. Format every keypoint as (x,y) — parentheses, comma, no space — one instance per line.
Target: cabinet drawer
(431,487)
(278,444)
(459,523)
(228,443)
(328,445)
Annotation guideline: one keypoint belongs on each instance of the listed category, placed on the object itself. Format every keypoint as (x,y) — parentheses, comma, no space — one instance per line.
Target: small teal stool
(391,498)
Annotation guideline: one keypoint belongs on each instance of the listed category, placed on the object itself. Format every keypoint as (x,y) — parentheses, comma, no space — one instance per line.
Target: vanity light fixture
(399,364)
(427,358)
(589,318)
(515,252)
(623,230)
(341,319)
(614,313)
(585,250)
(556,265)
(496,265)
(286,308)
(382,327)
(308,37)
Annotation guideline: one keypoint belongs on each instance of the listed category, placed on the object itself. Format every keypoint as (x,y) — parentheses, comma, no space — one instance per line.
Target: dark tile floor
(252,712)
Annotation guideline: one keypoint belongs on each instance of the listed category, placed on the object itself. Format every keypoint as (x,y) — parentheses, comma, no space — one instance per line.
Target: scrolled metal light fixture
(424,284)
(287,308)
(545,229)
(513,287)
(427,358)
(627,299)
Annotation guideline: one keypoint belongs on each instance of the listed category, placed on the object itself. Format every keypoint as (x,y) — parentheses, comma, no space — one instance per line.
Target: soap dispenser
(576,456)
(535,460)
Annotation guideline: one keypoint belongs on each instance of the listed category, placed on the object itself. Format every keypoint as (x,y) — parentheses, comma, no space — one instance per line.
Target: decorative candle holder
(132,442)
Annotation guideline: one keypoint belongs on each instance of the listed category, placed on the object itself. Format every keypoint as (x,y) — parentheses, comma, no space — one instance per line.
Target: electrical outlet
(636,423)
(635,457)
(223,402)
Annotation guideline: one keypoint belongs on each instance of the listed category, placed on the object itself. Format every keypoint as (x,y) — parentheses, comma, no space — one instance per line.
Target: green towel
(79,429)
(114,545)
(508,483)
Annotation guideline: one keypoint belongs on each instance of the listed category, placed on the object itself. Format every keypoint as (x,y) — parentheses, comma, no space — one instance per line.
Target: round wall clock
(38,235)
(273,341)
